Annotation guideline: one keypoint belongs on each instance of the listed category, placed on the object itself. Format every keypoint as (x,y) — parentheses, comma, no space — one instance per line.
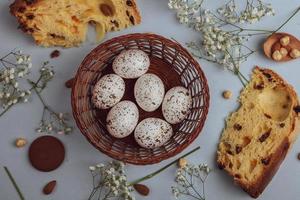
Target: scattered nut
(227,94)
(277,55)
(283,51)
(49,187)
(182,162)
(295,53)
(20,142)
(284,41)
(142,189)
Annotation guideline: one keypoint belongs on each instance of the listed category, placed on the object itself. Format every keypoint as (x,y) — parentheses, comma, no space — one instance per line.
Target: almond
(49,187)
(141,189)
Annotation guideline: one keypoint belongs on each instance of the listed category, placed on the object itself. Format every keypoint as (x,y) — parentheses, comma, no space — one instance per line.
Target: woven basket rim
(196,130)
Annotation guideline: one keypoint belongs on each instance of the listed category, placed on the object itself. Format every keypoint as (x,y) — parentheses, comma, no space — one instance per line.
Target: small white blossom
(14,101)
(92,168)
(16,84)
(19,60)
(12,70)
(9,103)
(111,177)
(20,74)
(186,180)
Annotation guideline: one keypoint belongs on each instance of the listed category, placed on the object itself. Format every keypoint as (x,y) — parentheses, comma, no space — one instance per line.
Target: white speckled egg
(176,105)
(149,92)
(122,119)
(108,91)
(152,133)
(131,63)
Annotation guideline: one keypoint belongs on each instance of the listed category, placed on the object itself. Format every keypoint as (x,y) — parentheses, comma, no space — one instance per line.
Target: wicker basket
(172,63)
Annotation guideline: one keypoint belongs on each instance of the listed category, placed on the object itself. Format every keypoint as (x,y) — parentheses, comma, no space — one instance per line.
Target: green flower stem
(6,109)
(5,61)
(163,168)
(34,85)
(286,21)
(241,79)
(240,28)
(14,183)
(41,99)
(46,107)
(256,30)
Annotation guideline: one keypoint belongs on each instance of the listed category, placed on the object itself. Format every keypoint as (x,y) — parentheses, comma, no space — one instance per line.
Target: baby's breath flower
(223,39)
(11,65)
(92,168)
(14,68)
(186,181)
(111,180)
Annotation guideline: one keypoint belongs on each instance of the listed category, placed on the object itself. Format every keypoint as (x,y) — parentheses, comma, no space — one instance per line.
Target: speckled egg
(176,105)
(122,119)
(152,133)
(149,92)
(131,63)
(108,91)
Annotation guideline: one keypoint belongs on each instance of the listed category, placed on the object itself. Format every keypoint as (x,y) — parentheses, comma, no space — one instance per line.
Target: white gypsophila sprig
(110,182)
(223,40)
(13,68)
(255,11)
(14,89)
(190,181)
(51,121)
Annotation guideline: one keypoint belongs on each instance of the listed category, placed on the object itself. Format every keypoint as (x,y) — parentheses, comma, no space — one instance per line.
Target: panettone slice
(259,134)
(64,22)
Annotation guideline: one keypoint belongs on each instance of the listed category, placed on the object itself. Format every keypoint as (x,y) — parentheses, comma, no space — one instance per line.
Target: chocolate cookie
(46,153)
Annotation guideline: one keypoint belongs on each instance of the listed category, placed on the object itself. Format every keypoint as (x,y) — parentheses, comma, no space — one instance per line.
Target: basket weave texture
(172,63)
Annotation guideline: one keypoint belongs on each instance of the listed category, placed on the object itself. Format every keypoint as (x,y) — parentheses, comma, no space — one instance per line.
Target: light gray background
(74,181)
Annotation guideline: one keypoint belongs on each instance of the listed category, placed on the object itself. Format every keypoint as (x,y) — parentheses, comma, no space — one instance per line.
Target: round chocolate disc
(46,153)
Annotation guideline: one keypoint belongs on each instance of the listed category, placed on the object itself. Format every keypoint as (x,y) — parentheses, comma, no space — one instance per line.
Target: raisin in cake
(259,134)
(64,22)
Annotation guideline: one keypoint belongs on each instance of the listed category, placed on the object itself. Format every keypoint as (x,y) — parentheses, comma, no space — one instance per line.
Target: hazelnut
(283,52)
(227,94)
(284,41)
(295,53)
(182,162)
(20,142)
(277,55)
